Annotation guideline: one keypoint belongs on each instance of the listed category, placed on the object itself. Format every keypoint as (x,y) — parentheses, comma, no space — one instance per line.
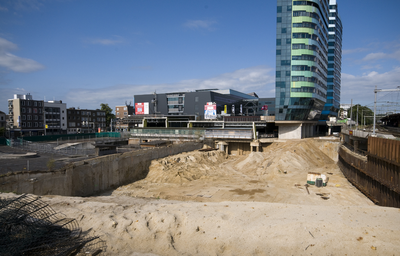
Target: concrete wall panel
(91,176)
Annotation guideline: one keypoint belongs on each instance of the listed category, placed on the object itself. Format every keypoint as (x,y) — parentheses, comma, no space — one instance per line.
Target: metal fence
(168,133)
(228,134)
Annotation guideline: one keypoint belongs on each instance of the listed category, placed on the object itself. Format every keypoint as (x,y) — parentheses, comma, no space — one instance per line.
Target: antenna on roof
(128,104)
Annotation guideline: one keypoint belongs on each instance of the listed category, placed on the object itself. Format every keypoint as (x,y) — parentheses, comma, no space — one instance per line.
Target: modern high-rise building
(302,59)
(332,105)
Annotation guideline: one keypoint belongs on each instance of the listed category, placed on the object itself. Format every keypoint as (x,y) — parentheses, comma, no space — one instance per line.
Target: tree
(109,114)
(363,111)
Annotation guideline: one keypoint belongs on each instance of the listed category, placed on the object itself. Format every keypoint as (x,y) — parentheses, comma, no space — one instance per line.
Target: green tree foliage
(109,114)
(362,111)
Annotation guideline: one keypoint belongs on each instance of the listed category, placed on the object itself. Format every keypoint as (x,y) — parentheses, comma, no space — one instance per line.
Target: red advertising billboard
(142,108)
(210,110)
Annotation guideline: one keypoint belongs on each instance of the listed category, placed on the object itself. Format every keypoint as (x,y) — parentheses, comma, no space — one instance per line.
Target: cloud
(200,24)
(350,51)
(259,79)
(15,63)
(361,88)
(8,93)
(105,41)
(375,56)
(3,9)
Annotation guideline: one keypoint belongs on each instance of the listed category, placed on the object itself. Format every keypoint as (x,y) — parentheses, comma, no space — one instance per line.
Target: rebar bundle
(29,226)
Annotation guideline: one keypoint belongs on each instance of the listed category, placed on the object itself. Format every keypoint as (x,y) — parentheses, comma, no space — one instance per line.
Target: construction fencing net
(28,226)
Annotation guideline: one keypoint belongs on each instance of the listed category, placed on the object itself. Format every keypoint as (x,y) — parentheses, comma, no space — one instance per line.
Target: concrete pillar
(223,146)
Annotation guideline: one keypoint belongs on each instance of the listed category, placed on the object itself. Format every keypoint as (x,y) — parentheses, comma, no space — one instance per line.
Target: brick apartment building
(85,120)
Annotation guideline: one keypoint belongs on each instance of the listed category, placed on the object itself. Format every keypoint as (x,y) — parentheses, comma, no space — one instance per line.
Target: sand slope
(241,205)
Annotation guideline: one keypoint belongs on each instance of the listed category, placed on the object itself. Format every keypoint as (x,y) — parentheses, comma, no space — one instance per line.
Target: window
(281,84)
(288,40)
(279,9)
(283,30)
(35,103)
(278,73)
(278,19)
(289,8)
(23,103)
(287,73)
(36,117)
(278,52)
(23,117)
(285,62)
(23,110)
(278,41)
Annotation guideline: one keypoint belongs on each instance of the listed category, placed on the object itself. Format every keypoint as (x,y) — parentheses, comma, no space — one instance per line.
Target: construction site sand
(240,205)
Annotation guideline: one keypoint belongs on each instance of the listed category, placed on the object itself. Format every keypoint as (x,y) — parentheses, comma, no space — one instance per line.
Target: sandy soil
(276,175)
(242,205)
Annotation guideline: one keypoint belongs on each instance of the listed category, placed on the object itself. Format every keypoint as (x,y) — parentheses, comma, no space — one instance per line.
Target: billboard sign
(142,108)
(210,110)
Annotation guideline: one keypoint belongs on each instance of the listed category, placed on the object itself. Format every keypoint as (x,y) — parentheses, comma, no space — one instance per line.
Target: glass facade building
(302,59)
(332,104)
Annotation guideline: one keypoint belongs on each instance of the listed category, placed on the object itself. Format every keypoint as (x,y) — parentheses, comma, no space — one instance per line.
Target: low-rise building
(228,101)
(55,117)
(122,112)
(85,120)
(2,119)
(26,115)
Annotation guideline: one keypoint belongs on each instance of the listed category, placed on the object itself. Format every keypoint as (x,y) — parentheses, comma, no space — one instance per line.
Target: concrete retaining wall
(91,176)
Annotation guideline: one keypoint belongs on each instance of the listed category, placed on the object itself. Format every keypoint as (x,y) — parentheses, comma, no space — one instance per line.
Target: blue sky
(87,52)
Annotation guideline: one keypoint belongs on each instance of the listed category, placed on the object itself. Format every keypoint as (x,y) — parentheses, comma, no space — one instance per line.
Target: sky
(88,52)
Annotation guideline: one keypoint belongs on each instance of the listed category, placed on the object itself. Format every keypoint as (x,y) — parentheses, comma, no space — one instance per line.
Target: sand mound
(275,175)
(186,167)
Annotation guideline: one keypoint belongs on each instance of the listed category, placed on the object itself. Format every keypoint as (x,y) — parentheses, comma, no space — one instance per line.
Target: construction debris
(30,227)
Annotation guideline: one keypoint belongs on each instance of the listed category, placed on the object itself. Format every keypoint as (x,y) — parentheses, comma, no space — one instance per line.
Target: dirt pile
(186,167)
(275,175)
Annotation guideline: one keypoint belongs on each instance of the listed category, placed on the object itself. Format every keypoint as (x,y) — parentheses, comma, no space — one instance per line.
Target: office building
(193,103)
(55,117)
(302,41)
(332,104)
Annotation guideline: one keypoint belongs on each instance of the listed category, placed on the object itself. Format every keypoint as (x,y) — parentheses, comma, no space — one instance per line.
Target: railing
(170,133)
(228,134)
